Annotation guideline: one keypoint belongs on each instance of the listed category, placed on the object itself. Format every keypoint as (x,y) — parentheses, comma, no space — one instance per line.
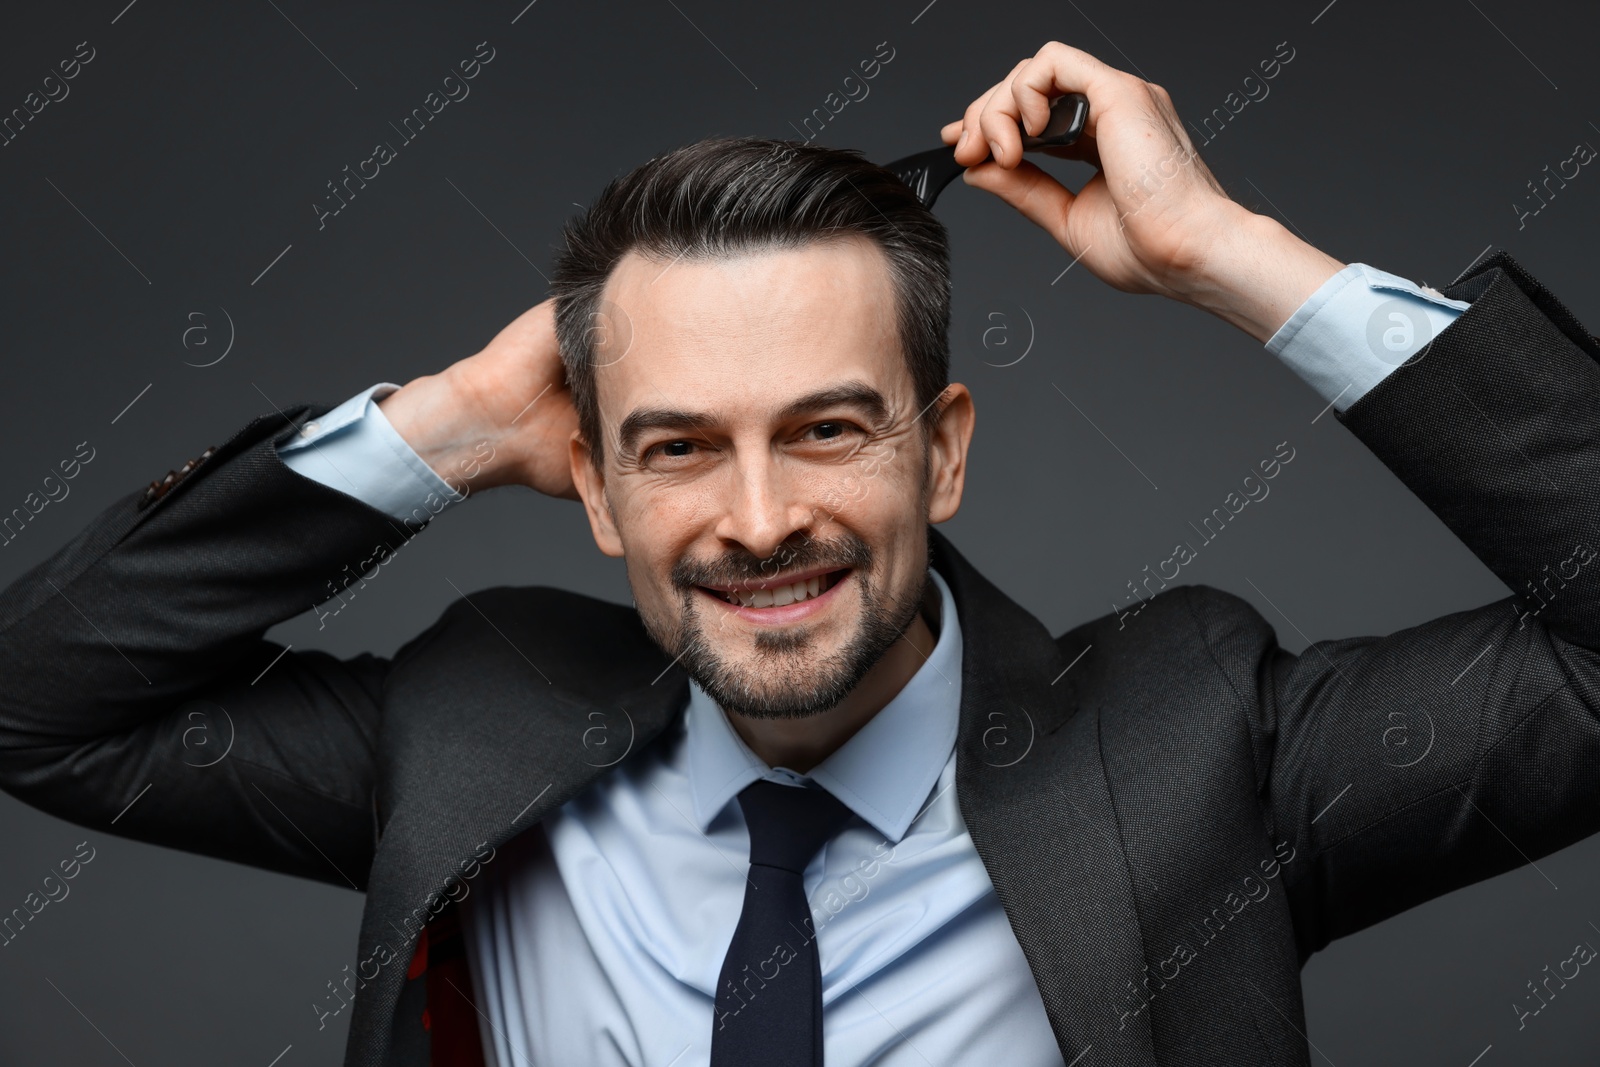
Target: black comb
(927,173)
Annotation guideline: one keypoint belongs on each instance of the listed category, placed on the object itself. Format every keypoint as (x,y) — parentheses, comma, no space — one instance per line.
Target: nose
(765,507)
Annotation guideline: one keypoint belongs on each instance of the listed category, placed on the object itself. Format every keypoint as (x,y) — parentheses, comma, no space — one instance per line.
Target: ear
(947,452)
(591,486)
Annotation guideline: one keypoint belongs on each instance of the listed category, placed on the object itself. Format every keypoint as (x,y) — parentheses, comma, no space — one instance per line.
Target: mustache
(741,565)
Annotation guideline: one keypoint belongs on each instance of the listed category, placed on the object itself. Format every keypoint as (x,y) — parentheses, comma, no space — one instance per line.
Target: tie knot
(788,824)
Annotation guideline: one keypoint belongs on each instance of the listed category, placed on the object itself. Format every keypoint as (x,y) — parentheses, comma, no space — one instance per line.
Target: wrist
(445,426)
(1256,272)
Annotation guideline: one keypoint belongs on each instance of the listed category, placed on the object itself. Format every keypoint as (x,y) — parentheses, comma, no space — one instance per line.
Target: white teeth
(780,595)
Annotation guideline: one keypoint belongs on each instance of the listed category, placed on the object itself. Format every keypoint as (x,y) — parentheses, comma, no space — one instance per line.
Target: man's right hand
(513,396)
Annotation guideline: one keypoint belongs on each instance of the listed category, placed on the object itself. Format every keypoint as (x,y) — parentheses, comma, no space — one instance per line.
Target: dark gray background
(194,144)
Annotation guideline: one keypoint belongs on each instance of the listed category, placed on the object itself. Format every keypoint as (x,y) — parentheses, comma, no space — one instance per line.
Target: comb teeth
(927,173)
(917,179)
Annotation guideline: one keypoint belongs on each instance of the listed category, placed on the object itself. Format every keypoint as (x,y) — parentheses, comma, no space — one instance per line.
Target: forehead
(756,326)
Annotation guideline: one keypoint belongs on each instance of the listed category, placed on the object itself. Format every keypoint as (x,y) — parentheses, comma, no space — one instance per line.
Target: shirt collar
(884,773)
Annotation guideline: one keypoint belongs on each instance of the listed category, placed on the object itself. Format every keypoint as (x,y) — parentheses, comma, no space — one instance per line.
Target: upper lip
(773,583)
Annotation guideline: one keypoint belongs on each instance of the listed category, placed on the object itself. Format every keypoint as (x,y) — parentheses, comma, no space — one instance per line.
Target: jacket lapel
(1032,788)
(514,747)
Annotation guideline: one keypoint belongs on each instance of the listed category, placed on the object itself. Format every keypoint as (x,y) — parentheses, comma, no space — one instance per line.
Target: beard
(787,677)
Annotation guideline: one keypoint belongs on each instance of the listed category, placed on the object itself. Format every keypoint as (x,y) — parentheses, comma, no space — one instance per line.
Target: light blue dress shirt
(601,941)
(598,938)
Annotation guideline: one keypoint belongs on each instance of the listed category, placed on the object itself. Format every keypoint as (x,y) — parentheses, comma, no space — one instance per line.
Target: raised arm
(1410,765)
(141,696)
(1403,766)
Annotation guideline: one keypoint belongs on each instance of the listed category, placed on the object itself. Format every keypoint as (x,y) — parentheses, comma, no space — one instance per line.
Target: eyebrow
(848,394)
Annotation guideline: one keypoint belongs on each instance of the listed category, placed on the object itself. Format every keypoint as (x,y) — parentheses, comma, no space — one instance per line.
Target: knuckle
(1130,85)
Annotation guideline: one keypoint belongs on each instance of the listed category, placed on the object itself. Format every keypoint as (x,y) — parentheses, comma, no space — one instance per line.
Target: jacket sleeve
(141,697)
(1410,765)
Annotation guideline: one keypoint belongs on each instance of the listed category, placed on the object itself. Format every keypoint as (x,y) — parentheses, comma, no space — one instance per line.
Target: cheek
(659,510)
(658,526)
(658,603)
(881,500)
(845,482)
(658,522)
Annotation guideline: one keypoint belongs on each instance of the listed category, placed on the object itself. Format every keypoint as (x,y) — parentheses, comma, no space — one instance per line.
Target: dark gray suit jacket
(1197,811)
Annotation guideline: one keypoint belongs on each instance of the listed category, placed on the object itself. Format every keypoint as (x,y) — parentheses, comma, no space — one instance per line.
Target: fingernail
(994,150)
(964,135)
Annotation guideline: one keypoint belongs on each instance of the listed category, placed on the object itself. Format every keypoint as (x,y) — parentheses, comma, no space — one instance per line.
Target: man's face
(764,475)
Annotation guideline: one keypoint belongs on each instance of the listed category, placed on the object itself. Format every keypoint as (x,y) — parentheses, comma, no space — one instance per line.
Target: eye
(828,431)
(670,450)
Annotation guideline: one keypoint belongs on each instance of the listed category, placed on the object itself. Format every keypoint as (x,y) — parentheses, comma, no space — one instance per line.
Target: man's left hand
(1154,219)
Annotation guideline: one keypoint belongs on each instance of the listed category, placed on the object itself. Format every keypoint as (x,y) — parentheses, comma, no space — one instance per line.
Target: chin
(790,672)
(785,676)
(784,645)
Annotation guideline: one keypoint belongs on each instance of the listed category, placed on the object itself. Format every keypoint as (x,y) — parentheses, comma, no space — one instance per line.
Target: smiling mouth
(776,593)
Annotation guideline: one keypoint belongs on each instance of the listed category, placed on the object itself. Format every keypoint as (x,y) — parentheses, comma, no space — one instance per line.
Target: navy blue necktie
(769,995)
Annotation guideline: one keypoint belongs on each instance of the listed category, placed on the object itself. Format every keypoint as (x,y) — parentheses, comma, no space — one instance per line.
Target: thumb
(1040,198)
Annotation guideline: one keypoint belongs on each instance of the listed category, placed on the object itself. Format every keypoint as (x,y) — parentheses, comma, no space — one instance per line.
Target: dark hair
(726,195)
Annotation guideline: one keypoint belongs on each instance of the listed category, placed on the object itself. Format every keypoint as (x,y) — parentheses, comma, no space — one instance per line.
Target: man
(827,795)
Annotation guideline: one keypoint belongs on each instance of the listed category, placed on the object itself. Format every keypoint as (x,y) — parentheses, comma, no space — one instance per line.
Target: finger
(999,119)
(1084,150)
(1060,68)
(971,148)
(1057,69)
(1036,195)
(1033,108)
(976,148)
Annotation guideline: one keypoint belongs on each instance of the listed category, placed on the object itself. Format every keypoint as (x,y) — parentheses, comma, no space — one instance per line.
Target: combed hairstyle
(728,195)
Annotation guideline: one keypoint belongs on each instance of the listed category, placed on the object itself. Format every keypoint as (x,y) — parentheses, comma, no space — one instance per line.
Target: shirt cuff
(354,449)
(1357,328)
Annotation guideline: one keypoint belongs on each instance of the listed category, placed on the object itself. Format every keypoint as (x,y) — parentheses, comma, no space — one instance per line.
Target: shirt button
(308,429)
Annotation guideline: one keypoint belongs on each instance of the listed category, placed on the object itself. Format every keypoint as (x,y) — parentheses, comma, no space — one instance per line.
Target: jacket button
(156,490)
